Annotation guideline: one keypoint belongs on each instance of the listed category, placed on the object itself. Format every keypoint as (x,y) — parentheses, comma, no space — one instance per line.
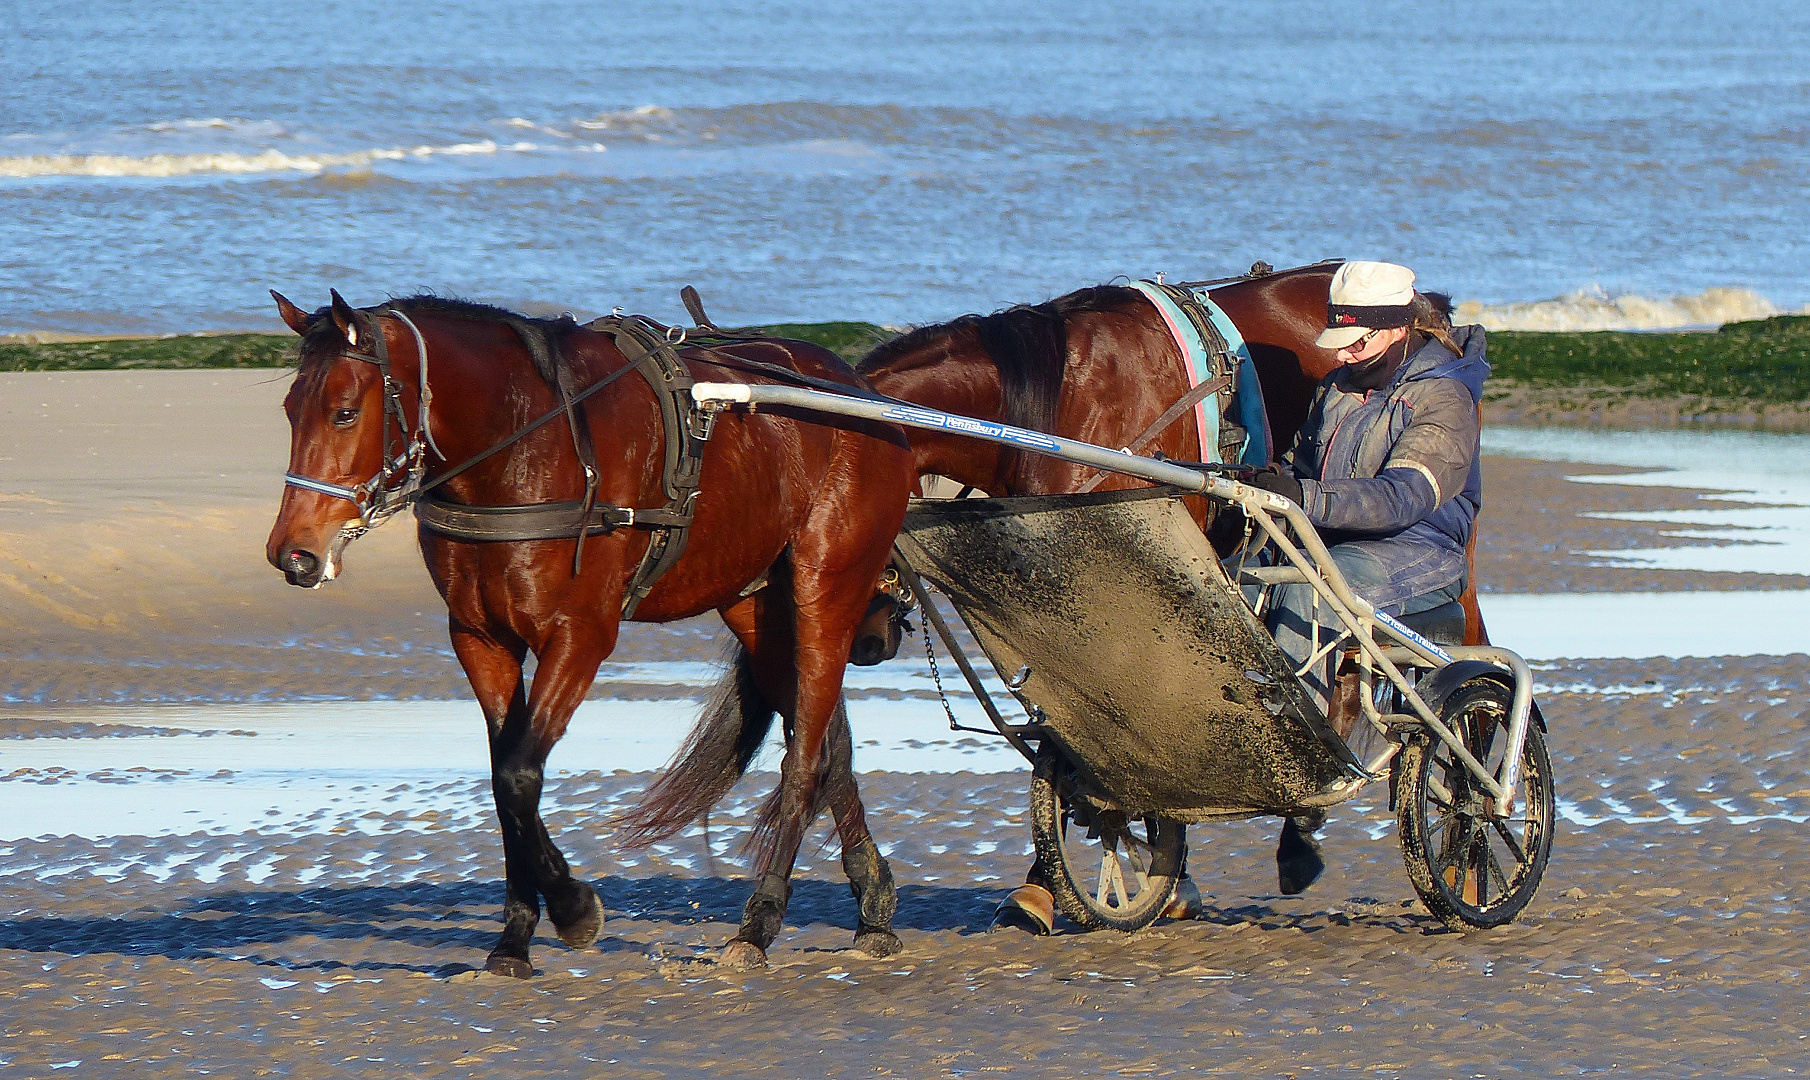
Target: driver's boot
(1186,903)
(1298,861)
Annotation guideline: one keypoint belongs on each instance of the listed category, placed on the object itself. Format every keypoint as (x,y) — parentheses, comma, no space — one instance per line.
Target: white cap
(1366,296)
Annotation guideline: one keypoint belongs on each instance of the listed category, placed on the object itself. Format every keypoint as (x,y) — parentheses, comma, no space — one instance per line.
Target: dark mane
(1028,344)
(543,338)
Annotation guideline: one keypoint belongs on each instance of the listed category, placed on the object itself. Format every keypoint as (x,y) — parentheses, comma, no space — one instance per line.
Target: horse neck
(950,372)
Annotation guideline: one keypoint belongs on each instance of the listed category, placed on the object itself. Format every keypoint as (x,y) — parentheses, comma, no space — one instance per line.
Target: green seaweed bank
(1767,360)
(1763,361)
(184,351)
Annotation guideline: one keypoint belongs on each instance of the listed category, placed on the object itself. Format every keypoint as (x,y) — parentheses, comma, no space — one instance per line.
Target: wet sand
(1667,940)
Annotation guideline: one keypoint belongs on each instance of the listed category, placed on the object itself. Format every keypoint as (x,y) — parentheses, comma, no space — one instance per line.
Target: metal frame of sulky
(1384,644)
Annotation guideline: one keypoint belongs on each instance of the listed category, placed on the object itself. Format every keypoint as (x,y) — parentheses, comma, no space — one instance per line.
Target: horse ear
(294,316)
(345,318)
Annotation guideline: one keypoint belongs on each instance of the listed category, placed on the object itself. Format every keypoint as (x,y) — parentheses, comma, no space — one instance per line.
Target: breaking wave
(34,166)
(1594,309)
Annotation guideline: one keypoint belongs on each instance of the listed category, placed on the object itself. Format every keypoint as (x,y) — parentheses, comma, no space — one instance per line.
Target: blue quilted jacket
(1397,467)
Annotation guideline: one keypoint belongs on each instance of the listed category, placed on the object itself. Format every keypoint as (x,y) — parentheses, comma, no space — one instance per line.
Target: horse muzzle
(302,568)
(310,570)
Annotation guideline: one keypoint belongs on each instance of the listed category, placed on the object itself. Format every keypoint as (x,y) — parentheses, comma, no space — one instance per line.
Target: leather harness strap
(1170,415)
(541,521)
(687,429)
(651,351)
(1218,349)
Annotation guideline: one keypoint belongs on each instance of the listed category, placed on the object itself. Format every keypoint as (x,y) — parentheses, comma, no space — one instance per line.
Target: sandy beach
(1667,939)
(135,505)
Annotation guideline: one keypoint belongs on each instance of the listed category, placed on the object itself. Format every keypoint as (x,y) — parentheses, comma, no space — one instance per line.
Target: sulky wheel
(1471,868)
(1106,871)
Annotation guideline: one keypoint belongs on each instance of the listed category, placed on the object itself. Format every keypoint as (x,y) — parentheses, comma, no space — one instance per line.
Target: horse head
(883,628)
(340,463)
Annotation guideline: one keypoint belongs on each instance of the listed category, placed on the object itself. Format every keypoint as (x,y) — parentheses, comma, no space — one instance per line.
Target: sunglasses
(1357,346)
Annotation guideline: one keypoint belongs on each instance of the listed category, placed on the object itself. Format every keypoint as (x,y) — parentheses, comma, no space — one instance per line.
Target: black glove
(1273,479)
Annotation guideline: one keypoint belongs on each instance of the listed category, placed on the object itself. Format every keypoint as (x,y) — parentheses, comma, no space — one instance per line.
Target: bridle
(405,449)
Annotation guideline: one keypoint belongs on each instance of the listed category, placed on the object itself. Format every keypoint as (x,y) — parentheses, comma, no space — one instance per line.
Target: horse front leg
(522,733)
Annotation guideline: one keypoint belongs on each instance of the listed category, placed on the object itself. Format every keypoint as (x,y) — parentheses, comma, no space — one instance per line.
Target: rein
(649,349)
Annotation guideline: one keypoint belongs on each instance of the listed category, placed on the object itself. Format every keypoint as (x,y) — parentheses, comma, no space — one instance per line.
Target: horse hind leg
(869,875)
(814,775)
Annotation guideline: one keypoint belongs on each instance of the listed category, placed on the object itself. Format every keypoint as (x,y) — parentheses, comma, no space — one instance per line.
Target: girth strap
(541,521)
(687,429)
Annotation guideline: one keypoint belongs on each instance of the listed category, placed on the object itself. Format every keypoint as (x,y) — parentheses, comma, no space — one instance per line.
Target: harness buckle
(703,422)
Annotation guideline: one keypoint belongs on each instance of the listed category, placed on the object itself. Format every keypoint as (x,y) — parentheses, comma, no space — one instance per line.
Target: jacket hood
(1435,361)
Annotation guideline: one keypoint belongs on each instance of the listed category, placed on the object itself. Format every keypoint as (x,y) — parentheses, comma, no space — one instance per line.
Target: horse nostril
(302,564)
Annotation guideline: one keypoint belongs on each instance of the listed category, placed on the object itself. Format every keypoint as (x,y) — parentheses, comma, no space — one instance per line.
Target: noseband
(404,449)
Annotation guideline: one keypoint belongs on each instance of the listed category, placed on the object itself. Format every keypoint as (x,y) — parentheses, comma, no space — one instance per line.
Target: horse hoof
(1186,903)
(581,932)
(879,944)
(514,967)
(742,956)
(1029,907)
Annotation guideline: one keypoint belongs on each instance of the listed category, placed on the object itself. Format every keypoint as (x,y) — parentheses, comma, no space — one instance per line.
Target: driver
(1386,465)
(1386,468)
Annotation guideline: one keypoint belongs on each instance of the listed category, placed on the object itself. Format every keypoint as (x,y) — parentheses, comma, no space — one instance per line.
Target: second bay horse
(1100,365)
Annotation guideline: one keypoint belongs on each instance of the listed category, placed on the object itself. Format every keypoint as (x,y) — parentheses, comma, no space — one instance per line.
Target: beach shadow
(265,925)
(1263,913)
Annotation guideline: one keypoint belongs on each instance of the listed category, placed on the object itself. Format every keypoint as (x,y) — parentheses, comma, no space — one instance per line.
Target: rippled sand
(1666,940)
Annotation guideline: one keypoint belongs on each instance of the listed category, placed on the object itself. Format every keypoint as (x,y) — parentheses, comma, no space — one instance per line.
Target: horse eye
(342,417)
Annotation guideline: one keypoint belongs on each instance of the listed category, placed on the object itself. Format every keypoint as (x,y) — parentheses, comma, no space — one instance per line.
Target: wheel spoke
(1495,869)
(1509,838)
(1112,880)
(1479,859)
(1134,850)
(1447,856)
(1438,794)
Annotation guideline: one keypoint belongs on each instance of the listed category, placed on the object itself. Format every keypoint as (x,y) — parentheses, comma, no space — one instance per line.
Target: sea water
(162,165)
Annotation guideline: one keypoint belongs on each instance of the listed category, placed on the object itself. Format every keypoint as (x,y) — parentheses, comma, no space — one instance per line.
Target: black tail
(728,736)
(835,783)
(718,751)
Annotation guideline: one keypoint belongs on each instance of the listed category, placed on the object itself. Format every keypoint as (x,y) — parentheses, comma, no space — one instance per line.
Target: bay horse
(1100,365)
(791,525)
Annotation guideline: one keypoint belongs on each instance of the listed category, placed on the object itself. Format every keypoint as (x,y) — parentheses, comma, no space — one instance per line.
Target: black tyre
(1107,871)
(1470,867)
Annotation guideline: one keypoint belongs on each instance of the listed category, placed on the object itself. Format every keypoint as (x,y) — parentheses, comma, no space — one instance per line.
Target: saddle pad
(1247,398)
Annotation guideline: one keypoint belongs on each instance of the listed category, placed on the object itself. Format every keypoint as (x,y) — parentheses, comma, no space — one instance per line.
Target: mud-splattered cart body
(1154,698)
